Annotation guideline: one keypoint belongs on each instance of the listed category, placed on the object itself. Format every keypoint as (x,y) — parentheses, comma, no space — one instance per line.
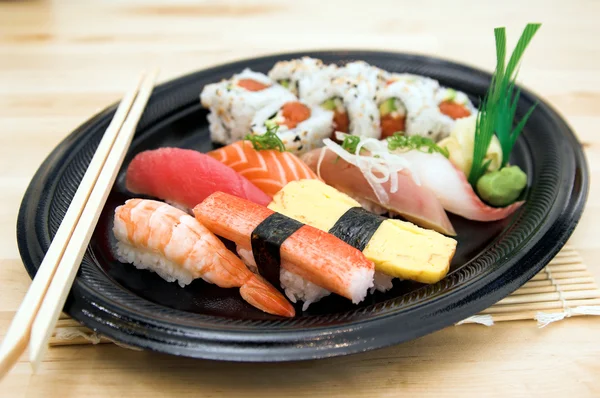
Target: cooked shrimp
(156,236)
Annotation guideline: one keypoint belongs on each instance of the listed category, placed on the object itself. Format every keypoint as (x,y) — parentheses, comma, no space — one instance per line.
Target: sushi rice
(306,136)
(232,107)
(300,74)
(448,94)
(357,99)
(298,289)
(374,77)
(148,260)
(417,95)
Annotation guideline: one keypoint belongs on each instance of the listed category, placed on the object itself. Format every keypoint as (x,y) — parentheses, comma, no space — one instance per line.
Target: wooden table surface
(62,61)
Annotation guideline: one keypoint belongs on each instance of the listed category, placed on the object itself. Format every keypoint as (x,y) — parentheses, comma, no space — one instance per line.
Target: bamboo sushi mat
(564,288)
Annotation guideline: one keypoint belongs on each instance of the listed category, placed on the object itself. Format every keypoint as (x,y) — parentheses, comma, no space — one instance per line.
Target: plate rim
(250,349)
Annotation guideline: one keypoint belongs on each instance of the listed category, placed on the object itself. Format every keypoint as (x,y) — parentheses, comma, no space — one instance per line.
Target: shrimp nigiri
(159,237)
(450,186)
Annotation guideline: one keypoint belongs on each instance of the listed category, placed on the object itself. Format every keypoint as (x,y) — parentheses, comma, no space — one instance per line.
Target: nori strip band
(356,227)
(266,240)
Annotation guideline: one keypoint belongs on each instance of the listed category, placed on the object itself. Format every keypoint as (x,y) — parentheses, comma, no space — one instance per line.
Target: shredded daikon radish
(379,167)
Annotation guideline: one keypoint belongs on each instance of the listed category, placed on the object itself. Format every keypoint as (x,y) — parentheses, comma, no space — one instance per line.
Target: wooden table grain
(62,61)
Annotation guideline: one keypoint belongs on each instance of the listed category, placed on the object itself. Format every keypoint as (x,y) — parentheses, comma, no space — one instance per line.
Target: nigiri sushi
(269,170)
(185,177)
(279,243)
(416,203)
(450,186)
(398,248)
(156,236)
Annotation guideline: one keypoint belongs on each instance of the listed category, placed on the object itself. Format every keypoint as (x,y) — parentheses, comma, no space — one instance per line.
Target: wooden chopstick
(17,336)
(55,298)
(19,332)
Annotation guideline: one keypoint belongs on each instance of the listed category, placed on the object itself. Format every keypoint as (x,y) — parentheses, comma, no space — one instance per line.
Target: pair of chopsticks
(37,315)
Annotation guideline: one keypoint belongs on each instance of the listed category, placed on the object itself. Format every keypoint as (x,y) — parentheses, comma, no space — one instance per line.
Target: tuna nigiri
(185,177)
(451,187)
(310,253)
(270,170)
(416,203)
(156,236)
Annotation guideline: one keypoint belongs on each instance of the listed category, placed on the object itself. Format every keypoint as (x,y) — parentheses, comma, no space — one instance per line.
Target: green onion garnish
(266,141)
(423,144)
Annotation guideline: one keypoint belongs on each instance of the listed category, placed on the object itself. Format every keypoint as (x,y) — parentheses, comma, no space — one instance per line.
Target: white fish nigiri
(451,187)
(415,203)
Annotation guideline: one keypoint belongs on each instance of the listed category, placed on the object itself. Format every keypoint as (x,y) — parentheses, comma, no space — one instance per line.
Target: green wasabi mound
(502,187)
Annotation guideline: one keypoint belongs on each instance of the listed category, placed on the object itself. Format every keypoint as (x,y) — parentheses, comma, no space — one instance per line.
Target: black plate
(140,309)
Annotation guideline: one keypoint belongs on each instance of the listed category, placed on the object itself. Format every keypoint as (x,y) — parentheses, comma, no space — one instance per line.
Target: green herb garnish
(266,141)
(498,108)
(350,143)
(423,144)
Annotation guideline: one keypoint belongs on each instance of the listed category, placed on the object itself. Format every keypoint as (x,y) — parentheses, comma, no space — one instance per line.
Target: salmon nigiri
(270,170)
(185,177)
(159,237)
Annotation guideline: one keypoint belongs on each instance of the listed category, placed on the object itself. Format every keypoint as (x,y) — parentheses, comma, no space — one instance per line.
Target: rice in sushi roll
(299,75)
(407,104)
(301,127)
(374,77)
(352,104)
(234,102)
(347,91)
(454,104)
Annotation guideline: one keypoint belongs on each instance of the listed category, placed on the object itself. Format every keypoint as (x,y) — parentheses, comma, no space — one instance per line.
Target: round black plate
(140,309)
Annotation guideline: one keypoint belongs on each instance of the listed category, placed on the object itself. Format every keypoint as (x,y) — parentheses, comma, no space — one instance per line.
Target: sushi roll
(347,91)
(454,104)
(301,127)
(351,101)
(407,104)
(374,77)
(234,102)
(299,75)
(161,238)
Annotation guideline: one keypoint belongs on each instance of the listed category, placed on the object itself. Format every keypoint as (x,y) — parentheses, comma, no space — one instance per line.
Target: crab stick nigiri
(270,170)
(315,255)
(159,237)
(186,177)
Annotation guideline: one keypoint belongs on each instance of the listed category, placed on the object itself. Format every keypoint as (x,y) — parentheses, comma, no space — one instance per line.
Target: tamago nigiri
(159,237)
